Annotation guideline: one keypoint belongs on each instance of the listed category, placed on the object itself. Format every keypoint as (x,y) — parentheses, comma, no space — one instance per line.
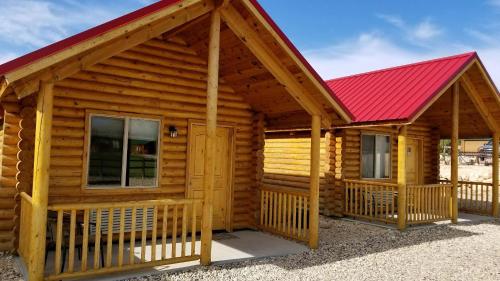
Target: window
(376,156)
(123,152)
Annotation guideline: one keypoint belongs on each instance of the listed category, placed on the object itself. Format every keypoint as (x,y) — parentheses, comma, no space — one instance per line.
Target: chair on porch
(52,234)
(383,199)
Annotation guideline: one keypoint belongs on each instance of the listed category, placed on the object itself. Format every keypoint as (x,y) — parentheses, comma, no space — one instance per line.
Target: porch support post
(314,182)
(41,181)
(494,208)
(454,151)
(402,178)
(210,139)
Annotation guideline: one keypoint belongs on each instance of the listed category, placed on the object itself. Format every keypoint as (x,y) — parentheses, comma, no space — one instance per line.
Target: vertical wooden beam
(454,151)
(210,139)
(314,182)
(494,209)
(402,177)
(43,134)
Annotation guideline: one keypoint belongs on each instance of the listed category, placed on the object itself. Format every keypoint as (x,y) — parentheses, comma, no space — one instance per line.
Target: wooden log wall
(25,156)
(347,151)
(11,128)
(159,78)
(259,135)
(287,161)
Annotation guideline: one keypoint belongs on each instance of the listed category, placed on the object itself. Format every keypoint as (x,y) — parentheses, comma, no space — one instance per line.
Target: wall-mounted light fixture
(173,131)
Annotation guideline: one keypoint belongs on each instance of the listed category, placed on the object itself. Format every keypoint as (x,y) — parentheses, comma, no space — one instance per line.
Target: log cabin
(149,129)
(384,166)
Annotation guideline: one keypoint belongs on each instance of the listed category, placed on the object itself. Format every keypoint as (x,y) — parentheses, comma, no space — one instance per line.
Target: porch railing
(285,212)
(88,239)
(25,227)
(371,200)
(474,197)
(428,203)
(378,201)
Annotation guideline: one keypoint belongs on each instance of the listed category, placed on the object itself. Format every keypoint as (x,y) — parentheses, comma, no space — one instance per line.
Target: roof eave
(258,11)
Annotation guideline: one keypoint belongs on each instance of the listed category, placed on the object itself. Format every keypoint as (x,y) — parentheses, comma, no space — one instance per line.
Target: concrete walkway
(226,248)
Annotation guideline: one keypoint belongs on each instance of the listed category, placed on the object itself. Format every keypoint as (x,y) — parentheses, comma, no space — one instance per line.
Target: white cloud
(7,56)
(372,51)
(423,31)
(369,51)
(426,30)
(494,3)
(39,22)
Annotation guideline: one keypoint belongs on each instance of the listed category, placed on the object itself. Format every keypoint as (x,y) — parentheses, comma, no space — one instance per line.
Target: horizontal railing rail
(371,200)
(104,236)
(474,197)
(428,203)
(285,212)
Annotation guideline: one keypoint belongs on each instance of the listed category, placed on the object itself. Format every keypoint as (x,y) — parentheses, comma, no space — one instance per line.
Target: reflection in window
(376,159)
(142,156)
(123,152)
(106,150)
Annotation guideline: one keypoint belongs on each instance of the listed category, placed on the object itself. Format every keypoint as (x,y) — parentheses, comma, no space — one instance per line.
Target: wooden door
(413,171)
(223,166)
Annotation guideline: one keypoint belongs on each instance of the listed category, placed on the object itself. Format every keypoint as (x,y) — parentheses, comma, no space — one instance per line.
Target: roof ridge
(472,53)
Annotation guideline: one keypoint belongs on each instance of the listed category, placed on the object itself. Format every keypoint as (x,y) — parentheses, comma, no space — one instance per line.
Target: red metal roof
(398,93)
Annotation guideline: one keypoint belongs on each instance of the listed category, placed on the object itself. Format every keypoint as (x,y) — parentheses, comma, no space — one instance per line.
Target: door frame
(232,166)
(420,159)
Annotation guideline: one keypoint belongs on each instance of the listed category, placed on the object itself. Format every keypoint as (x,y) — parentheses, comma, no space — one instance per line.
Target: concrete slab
(227,248)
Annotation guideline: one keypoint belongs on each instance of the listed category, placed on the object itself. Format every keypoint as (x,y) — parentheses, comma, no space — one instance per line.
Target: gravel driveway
(354,251)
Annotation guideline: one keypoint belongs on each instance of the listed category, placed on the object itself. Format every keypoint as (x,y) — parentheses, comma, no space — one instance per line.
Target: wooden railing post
(210,139)
(402,178)
(41,181)
(454,151)
(494,208)
(314,182)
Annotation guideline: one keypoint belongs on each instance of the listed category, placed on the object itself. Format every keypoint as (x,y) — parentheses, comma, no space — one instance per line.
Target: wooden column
(314,182)
(454,151)
(402,177)
(210,139)
(41,169)
(494,209)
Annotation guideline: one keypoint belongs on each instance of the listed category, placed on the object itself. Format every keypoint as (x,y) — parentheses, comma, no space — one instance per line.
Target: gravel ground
(354,251)
(7,269)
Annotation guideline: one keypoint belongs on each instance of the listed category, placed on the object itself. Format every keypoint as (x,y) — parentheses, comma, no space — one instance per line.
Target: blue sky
(338,37)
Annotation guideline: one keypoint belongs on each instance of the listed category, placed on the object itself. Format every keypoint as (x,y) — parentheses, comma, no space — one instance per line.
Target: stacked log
(25,156)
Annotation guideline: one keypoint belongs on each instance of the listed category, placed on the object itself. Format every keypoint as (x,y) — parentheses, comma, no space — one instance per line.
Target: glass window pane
(106,150)
(142,153)
(368,143)
(382,157)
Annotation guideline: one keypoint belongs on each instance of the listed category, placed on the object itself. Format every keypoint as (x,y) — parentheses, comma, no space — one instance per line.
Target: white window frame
(375,168)
(126,119)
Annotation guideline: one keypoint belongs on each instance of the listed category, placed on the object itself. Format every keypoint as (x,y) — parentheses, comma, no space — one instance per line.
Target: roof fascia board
(443,90)
(318,82)
(96,41)
(473,94)
(488,80)
(251,39)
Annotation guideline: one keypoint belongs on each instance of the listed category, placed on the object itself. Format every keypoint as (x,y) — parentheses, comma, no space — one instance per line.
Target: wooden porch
(380,202)
(186,72)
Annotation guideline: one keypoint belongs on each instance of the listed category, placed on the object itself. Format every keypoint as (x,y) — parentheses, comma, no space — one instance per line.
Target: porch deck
(227,248)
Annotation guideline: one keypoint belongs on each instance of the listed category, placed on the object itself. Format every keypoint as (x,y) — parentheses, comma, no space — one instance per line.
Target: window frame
(126,117)
(361,155)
